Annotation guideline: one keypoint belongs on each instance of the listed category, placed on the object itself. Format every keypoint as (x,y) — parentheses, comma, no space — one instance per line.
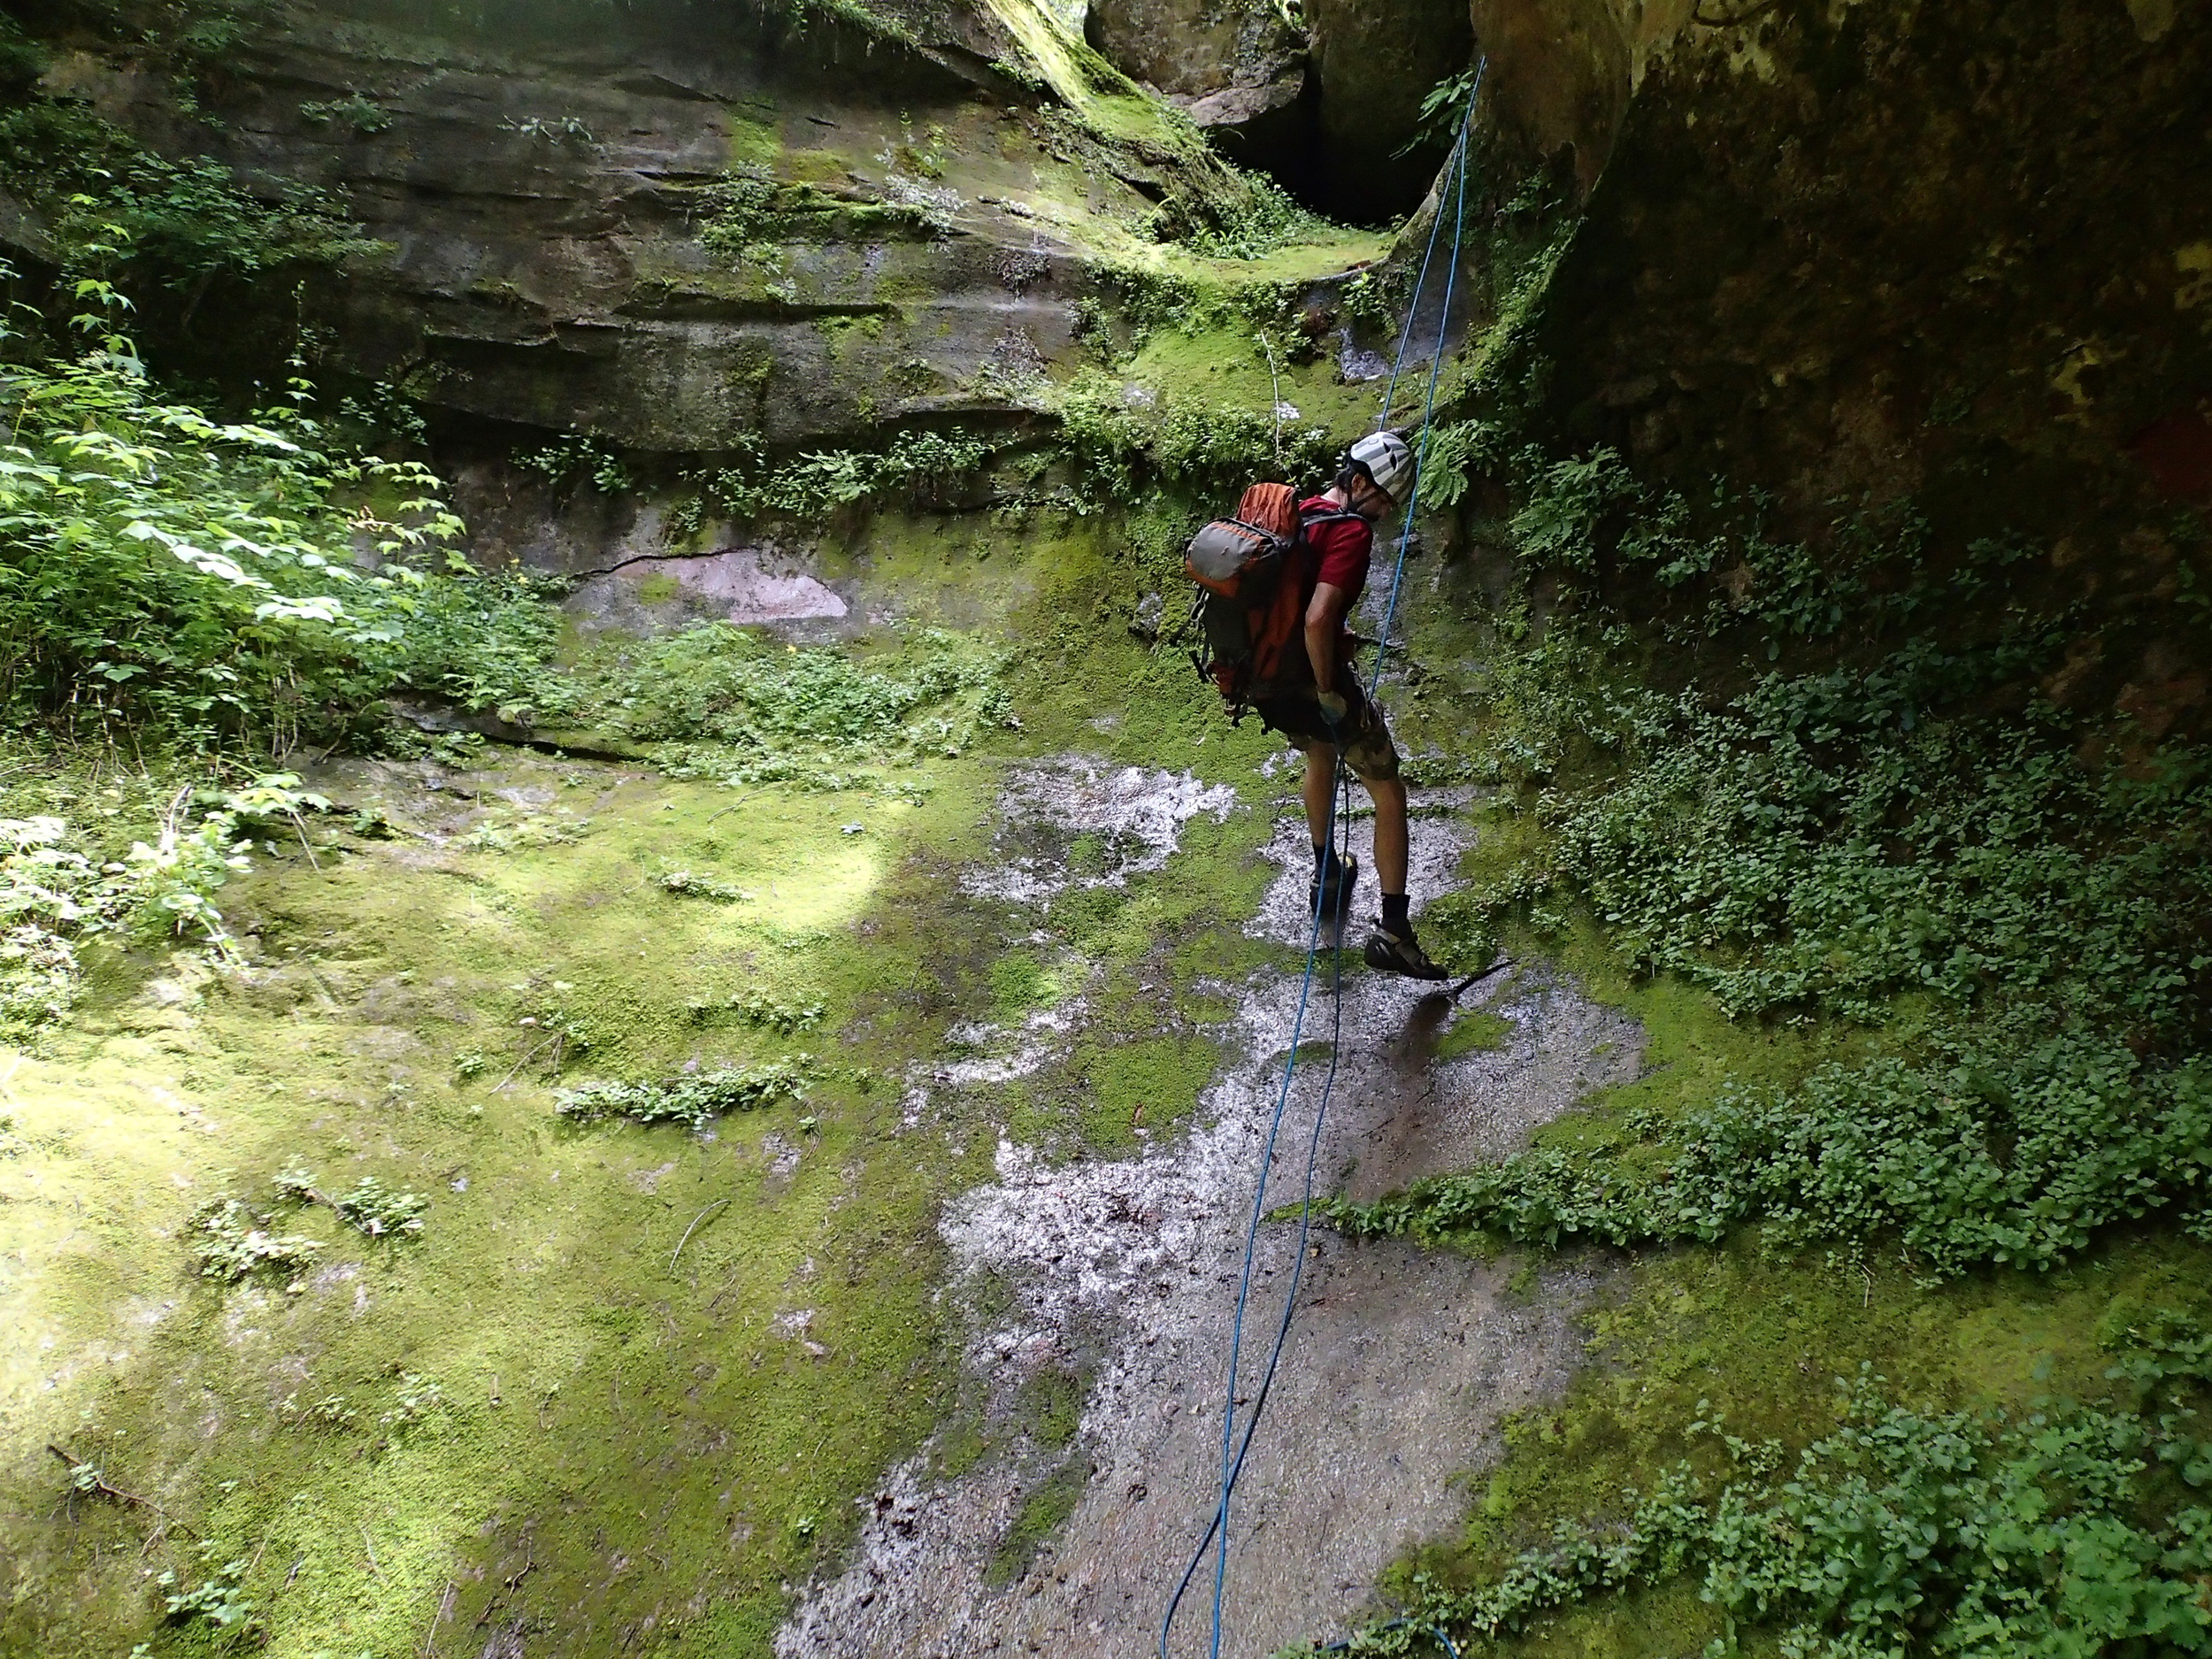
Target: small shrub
(919,467)
(162,568)
(576,459)
(217,1599)
(694,1101)
(371,1207)
(355,112)
(1998,1149)
(2056,1532)
(698,887)
(232,1243)
(379,1210)
(782,1016)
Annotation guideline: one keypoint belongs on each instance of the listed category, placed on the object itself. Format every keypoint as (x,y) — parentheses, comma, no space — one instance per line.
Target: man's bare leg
(1320,784)
(1391,839)
(1388,793)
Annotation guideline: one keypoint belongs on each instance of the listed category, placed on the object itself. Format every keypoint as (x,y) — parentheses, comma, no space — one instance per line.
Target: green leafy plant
(232,1243)
(919,467)
(691,885)
(112,206)
(786,1017)
(1266,220)
(1820,840)
(482,640)
(355,111)
(745,216)
(371,1207)
(2059,1531)
(163,568)
(217,1599)
(1443,107)
(2007,1149)
(54,895)
(1124,440)
(577,457)
(696,1101)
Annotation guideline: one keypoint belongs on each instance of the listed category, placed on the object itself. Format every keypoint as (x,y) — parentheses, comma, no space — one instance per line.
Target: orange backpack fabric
(1254,572)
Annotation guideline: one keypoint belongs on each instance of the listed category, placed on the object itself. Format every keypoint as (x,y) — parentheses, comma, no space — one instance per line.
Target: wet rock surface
(1399,1365)
(745,584)
(1081,822)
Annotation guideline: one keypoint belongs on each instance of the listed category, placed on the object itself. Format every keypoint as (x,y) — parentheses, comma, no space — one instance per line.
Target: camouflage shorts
(1363,734)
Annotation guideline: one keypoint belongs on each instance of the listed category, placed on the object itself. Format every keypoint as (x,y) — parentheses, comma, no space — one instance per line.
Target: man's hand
(1334,707)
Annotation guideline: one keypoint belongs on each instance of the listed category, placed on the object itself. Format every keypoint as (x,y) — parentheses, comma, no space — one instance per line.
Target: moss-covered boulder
(1238,71)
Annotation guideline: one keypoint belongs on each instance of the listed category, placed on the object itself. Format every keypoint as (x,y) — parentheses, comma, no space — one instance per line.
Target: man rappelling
(1278,581)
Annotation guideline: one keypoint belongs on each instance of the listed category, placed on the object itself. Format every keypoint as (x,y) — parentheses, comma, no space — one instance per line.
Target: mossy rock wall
(679,228)
(1921,257)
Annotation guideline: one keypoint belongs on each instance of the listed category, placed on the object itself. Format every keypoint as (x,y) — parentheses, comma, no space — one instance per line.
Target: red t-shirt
(1346,547)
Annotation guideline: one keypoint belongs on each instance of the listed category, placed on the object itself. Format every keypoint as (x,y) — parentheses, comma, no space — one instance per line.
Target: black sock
(1326,863)
(1395,915)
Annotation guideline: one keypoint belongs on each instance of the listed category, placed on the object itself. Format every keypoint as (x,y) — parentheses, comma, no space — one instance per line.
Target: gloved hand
(1334,707)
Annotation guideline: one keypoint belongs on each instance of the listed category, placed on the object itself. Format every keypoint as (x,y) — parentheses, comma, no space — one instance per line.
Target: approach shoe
(1331,896)
(1387,952)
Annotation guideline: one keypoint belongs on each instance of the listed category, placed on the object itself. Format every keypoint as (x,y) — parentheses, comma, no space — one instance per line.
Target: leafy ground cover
(2041,1487)
(1923,955)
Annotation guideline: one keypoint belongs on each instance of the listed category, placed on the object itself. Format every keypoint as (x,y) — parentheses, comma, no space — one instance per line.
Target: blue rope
(1455,163)
(1436,369)
(1232,1467)
(1232,1450)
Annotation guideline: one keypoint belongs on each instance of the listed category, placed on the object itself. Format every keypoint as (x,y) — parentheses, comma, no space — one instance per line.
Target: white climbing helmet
(1387,460)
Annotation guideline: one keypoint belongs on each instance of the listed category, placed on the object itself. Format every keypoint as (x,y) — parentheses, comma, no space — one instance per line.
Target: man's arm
(1323,617)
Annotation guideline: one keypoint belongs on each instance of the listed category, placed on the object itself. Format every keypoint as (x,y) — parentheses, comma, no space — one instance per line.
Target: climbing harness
(1233,1447)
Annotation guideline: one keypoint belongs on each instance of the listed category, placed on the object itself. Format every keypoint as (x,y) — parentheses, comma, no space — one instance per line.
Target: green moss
(1472,1032)
(1053,1402)
(577,1366)
(1226,367)
(753,143)
(1146,1083)
(584,1378)
(1043,1512)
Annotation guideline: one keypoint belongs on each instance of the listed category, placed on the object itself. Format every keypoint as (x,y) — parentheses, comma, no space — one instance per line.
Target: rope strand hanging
(1234,1448)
